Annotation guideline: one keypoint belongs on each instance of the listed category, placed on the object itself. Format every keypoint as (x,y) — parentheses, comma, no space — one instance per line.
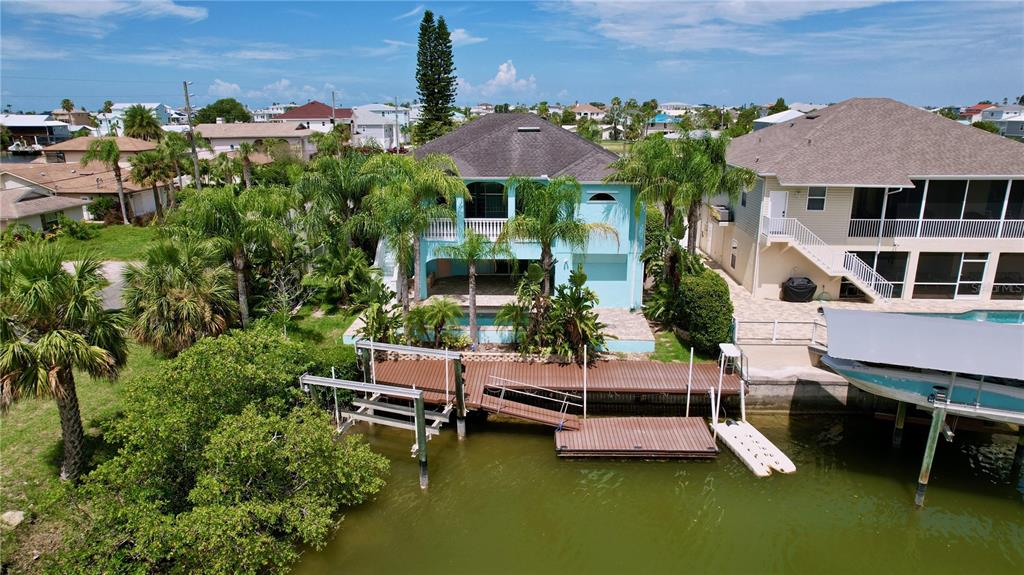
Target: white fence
(780,332)
(914,228)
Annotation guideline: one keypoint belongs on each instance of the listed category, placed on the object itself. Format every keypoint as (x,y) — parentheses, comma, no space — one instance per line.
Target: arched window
(601,198)
(488,200)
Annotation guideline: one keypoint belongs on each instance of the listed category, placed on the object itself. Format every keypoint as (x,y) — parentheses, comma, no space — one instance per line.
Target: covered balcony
(485,214)
(940,209)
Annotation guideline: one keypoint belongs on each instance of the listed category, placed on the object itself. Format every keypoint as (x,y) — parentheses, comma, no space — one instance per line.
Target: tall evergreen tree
(435,78)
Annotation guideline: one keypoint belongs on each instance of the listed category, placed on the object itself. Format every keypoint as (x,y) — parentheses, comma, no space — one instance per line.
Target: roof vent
(812,116)
(528,129)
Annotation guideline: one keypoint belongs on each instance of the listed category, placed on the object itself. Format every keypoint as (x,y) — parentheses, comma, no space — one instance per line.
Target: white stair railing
(385,261)
(827,257)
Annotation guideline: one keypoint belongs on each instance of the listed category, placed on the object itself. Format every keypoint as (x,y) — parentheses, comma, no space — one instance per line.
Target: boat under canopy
(971,369)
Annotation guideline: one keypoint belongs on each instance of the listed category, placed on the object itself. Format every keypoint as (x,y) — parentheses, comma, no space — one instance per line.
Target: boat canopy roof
(942,344)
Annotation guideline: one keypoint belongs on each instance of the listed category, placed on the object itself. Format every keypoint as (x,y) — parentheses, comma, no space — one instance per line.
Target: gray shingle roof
(494,147)
(18,203)
(874,142)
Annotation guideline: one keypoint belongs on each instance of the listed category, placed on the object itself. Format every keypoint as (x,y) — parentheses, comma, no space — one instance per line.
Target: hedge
(705,310)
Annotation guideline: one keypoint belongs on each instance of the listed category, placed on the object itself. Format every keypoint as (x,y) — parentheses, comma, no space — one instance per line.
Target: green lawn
(669,348)
(619,147)
(30,452)
(114,242)
(321,330)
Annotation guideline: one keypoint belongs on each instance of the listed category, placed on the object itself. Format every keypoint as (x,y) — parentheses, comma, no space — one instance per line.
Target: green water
(502,502)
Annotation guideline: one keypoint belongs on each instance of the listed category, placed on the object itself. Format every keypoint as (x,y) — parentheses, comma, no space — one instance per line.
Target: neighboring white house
(35,129)
(482,109)
(777,118)
(587,111)
(86,183)
(23,203)
(113,122)
(316,116)
(678,109)
(874,198)
(271,112)
(1009,119)
(227,137)
(383,124)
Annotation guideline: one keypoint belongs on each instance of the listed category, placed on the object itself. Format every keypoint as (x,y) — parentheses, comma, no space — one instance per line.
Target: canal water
(502,502)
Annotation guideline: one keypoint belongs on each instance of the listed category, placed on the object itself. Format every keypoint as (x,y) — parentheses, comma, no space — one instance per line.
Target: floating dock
(642,437)
(752,448)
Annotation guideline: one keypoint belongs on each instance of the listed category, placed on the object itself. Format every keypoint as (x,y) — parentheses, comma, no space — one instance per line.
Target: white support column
(920,215)
(1006,202)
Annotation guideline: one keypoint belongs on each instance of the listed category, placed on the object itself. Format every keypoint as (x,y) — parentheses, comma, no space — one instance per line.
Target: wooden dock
(642,377)
(642,437)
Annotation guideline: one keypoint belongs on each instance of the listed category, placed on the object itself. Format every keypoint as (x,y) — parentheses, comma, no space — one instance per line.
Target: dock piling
(938,418)
(421,441)
(901,419)
(460,400)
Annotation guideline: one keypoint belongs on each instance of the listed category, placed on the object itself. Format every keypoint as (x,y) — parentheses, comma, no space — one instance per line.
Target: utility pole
(397,131)
(192,137)
(334,126)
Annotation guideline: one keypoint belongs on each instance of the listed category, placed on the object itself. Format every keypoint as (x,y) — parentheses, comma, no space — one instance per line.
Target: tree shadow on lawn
(96,449)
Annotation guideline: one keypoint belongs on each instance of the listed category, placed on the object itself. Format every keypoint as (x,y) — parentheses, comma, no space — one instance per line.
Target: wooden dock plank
(602,377)
(533,413)
(646,437)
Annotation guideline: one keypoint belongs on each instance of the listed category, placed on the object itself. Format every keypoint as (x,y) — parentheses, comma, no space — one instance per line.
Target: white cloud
(93,9)
(284,89)
(746,26)
(97,18)
(390,48)
(410,13)
(222,89)
(505,82)
(17,48)
(460,37)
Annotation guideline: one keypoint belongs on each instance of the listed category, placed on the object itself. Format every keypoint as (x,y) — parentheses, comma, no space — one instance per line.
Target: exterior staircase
(385,261)
(833,260)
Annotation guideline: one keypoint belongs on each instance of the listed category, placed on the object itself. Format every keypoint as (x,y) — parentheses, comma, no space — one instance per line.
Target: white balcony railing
(831,259)
(914,228)
(487,227)
(443,229)
(447,230)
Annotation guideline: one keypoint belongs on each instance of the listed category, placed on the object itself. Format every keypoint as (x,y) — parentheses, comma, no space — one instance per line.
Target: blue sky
(940,52)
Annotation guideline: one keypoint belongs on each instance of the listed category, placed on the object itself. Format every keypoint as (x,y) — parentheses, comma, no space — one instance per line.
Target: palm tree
(150,169)
(105,151)
(240,225)
(182,293)
(52,322)
(245,152)
(331,189)
(108,105)
(428,183)
(439,313)
(222,168)
(139,122)
(473,248)
(549,216)
(710,176)
(331,143)
(659,174)
(67,105)
(175,149)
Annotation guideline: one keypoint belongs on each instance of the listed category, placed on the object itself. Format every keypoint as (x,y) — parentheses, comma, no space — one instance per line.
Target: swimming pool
(989,315)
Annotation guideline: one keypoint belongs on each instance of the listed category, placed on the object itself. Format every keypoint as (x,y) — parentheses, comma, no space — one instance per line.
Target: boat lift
(751,446)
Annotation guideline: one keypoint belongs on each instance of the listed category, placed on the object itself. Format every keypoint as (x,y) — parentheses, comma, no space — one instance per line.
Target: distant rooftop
(251,130)
(315,111)
(124,143)
(503,145)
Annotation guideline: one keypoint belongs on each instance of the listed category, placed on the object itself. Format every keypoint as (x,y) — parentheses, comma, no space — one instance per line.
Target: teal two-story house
(490,150)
